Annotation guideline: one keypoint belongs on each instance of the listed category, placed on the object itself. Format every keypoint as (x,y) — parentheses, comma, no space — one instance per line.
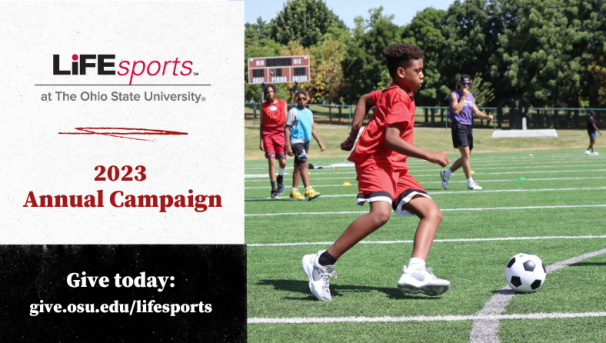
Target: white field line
(484,330)
(473,161)
(482,157)
(387,319)
(436,174)
(476,193)
(443,210)
(481,181)
(435,241)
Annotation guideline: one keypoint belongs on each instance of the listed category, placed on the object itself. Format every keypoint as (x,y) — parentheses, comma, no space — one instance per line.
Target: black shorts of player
(461,135)
(300,150)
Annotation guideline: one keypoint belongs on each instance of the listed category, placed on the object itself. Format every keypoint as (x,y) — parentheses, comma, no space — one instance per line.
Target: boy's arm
(481,114)
(397,144)
(362,108)
(316,136)
(596,127)
(261,131)
(287,139)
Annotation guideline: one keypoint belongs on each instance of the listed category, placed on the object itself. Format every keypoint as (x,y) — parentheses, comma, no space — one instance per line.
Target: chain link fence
(509,118)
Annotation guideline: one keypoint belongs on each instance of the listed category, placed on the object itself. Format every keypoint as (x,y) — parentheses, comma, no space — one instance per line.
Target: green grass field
(558,213)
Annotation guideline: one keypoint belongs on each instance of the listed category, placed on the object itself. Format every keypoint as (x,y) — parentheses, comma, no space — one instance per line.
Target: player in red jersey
(380,159)
(271,131)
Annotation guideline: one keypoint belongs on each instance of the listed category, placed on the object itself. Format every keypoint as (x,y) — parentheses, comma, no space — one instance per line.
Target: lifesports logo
(104,65)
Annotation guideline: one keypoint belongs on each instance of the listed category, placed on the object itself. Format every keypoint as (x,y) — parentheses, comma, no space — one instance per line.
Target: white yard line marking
(486,326)
(464,192)
(443,210)
(312,178)
(387,319)
(490,314)
(507,180)
(435,241)
(554,159)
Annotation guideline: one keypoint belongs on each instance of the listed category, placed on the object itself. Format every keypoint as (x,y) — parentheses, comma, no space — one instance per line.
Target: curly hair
(301,91)
(269,85)
(401,55)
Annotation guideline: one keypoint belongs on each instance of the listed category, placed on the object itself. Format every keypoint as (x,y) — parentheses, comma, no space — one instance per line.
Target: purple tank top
(464,117)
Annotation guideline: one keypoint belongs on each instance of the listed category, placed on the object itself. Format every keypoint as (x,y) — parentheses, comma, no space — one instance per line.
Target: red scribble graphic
(121,132)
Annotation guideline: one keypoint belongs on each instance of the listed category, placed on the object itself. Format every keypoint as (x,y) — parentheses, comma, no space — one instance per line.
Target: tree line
(550,52)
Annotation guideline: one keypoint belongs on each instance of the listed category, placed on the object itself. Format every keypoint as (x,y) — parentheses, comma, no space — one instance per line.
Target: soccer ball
(525,273)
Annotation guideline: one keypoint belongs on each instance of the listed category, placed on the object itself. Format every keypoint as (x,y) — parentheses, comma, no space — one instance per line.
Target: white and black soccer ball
(525,273)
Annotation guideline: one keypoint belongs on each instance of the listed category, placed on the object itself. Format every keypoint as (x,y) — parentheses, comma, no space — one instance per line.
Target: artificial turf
(570,184)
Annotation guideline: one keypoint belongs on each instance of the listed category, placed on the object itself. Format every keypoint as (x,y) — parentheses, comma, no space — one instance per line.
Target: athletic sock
(294,189)
(273,185)
(326,259)
(281,171)
(470,181)
(448,172)
(416,263)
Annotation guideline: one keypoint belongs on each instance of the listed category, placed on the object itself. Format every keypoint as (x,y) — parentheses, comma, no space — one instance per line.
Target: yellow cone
(308,173)
(473,172)
(531,155)
(346,184)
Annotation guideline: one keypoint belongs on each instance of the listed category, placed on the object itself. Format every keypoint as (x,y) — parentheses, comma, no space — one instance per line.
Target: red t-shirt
(274,116)
(392,105)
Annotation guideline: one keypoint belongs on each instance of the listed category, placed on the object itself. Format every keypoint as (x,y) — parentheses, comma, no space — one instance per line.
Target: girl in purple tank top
(461,107)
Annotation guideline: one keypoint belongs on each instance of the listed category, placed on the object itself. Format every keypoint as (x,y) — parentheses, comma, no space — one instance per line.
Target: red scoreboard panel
(282,69)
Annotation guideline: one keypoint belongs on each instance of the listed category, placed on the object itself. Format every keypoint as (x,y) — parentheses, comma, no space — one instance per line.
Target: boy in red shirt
(383,179)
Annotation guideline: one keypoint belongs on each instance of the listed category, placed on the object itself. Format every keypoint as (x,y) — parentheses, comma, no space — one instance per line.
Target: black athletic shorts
(461,135)
(300,150)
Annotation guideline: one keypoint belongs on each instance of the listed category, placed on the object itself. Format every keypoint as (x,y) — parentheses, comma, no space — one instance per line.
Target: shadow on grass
(337,290)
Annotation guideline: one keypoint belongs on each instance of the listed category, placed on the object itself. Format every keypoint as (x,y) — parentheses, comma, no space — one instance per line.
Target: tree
(483,93)
(306,21)
(543,53)
(425,32)
(364,65)
(598,70)
(260,30)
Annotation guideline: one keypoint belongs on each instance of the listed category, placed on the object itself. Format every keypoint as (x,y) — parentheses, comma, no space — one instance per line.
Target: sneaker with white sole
(595,153)
(474,186)
(422,281)
(587,152)
(444,179)
(319,276)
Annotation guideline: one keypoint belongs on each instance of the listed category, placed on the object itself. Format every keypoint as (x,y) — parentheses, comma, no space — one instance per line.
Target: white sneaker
(595,153)
(444,179)
(587,152)
(319,276)
(474,186)
(422,281)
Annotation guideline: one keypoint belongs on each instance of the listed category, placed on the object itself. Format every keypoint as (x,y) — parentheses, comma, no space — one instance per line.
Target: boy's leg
(431,217)
(376,185)
(296,175)
(413,199)
(416,278)
(272,170)
(295,195)
(304,173)
(379,214)
(320,267)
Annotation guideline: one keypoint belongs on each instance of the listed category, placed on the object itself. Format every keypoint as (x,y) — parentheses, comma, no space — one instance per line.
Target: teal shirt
(300,122)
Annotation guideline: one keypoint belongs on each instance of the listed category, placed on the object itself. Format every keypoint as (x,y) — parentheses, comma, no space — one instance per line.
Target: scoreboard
(278,69)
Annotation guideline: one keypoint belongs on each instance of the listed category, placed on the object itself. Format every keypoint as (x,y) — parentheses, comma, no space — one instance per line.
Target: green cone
(522,179)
